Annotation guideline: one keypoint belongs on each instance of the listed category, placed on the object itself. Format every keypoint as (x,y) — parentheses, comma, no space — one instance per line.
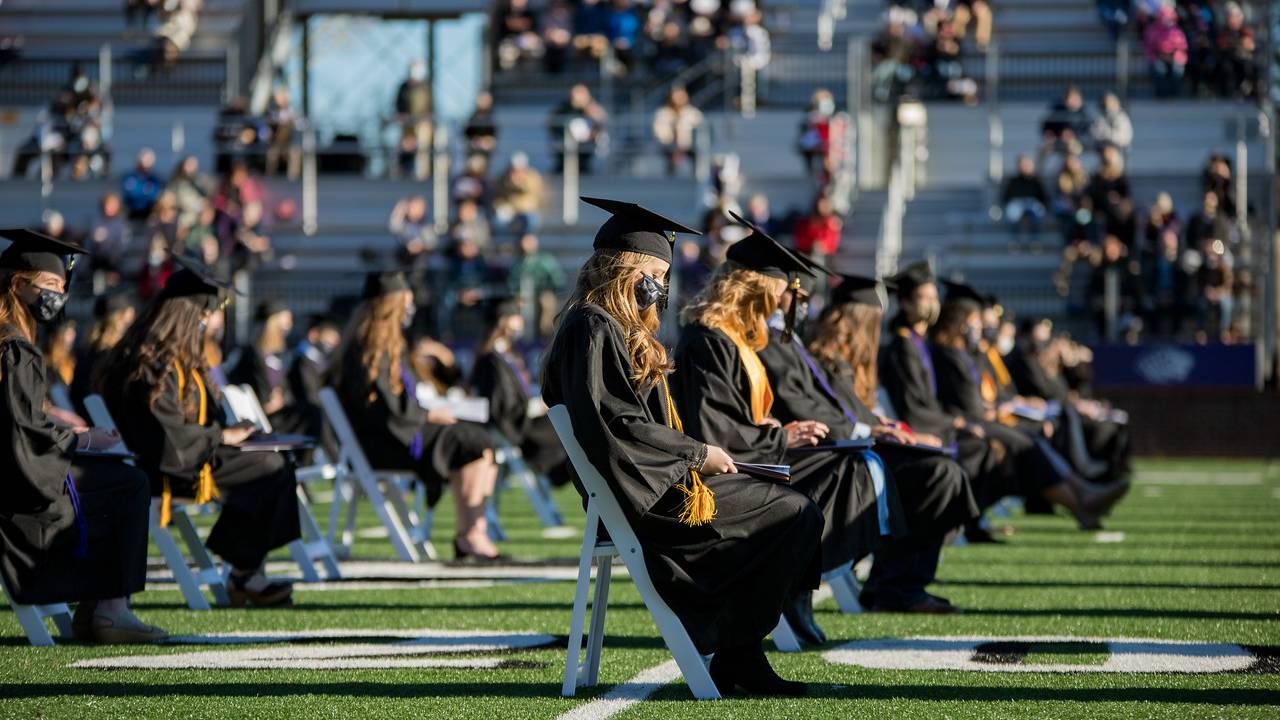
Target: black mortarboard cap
(912,277)
(861,290)
(962,291)
(268,308)
(763,254)
(33,251)
(109,304)
(195,280)
(502,307)
(384,282)
(636,228)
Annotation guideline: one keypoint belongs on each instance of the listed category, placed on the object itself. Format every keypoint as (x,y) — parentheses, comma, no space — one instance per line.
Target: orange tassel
(699,506)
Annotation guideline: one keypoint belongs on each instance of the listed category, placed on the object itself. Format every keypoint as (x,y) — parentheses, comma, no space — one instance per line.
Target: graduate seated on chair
(112,315)
(73,526)
(306,374)
(263,367)
(515,408)
(728,400)
(934,491)
(376,377)
(156,384)
(725,551)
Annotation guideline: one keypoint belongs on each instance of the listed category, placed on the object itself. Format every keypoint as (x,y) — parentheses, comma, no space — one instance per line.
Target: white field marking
(321,497)
(1275,493)
(360,570)
(563,532)
(1152,492)
(1125,655)
(410,649)
(372,533)
(621,697)
(1199,477)
(1109,537)
(409,585)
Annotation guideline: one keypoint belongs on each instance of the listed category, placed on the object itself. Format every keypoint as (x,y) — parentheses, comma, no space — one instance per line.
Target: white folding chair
(355,477)
(241,404)
(844,588)
(536,487)
(31,618)
(603,510)
(207,573)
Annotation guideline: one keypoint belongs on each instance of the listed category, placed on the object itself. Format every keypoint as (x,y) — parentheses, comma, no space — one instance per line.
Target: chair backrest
(597,489)
(101,417)
(241,403)
(350,452)
(61,396)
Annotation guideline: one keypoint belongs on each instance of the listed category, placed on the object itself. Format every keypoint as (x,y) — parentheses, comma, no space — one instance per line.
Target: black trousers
(900,573)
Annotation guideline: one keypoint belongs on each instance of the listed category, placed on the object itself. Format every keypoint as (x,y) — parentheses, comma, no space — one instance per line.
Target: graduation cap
(861,290)
(268,308)
(33,251)
(767,256)
(961,291)
(384,282)
(636,228)
(912,277)
(106,305)
(196,280)
(502,307)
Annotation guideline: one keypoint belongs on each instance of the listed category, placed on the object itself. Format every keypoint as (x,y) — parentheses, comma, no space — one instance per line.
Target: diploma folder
(114,453)
(264,442)
(837,445)
(947,450)
(776,473)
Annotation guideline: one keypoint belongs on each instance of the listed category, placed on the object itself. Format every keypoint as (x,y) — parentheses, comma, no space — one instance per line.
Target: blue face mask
(48,305)
(650,292)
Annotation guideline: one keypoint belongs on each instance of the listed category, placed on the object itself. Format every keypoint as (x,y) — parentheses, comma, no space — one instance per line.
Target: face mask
(325,348)
(1005,345)
(777,321)
(650,292)
(990,334)
(516,336)
(972,336)
(48,305)
(407,322)
(155,258)
(826,107)
(1040,345)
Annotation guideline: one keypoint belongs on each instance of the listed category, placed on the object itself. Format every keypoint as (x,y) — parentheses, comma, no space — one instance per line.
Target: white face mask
(1004,345)
(778,320)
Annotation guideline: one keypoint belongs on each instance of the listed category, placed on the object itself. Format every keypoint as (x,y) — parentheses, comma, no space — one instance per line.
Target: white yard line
(623,696)
(1109,537)
(1199,477)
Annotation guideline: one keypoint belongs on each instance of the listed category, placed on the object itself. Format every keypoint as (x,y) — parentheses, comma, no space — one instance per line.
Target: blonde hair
(107,331)
(850,333)
(739,300)
(272,338)
(15,318)
(378,335)
(608,280)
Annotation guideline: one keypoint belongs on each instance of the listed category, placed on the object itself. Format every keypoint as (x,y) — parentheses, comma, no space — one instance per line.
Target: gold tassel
(699,506)
(206,490)
(166,504)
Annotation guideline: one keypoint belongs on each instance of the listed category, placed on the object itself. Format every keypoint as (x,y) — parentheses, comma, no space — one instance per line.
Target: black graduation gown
(727,579)
(265,373)
(40,537)
(82,381)
(711,384)
(497,379)
(390,425)
(960,393)
(305,378)
(934,490)
(259,504)
(912,391)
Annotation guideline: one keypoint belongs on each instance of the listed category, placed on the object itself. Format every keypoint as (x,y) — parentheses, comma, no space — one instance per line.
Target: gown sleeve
(589,372)
(185,446)
(906,380)
(796,395)
(507,405)
(956,391)
(713,396)
(40,449)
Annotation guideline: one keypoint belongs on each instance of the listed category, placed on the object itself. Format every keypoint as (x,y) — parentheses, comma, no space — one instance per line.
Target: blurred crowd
(919,51)
(70,132)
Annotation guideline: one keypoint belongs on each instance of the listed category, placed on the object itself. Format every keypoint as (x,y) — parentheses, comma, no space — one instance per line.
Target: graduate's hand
(895,434)
(927,439)
(441,416)
(275,401)
(770,422)
(238,433)
(718,462)
(66,419)
(805,432)
(976,430)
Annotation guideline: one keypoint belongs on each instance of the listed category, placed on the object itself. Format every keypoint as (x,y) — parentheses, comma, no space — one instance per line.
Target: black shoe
(462,557)
(757,677)
(979,535)
(798,612)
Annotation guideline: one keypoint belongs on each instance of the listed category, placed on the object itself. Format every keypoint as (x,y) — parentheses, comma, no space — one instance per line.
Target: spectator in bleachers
(557,36)
(472,184)
(750,43)
(1115,261)
(413,230)
(144,9)
(1216,303)
(55,226)
(1109,188)
(237,189)
(1024,199)
(191,189)
(155,270)
(1237,68)
(1112,126)
(1069,190)
(1065,129)
(141,186)
(590,24)
(470,226)
(537,274)
(282,123)
(1114,14)
(892,55)
(109,237)
(178,22)
(758,214)
(251,246)
(1166,287)
(817,235)
(202,238)
(1209,224)
(1161,218)
(467,279)
(671,52)
(582,119)
(518,197)
(1165,48)
(515,33)
(622,28)
(978,12)
(814,143)
(674,125)
(945,76)
(1217,178)
(481,130)
(414,114)
(163,222)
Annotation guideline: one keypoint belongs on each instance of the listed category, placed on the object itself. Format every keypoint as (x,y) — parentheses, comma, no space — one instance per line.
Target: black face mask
(650,292)
(47,306)
(991,334)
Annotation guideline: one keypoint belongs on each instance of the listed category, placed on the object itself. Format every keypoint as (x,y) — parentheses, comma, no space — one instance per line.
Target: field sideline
(1193,554)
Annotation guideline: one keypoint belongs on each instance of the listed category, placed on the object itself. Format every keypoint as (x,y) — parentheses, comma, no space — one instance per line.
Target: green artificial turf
(1197,562)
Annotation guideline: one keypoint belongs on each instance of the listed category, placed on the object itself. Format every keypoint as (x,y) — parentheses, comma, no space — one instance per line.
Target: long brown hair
(850,333)
(107,331)
(953,320)
(15,319)
(167,332)
(738,299)
(377,335)
(271,339)
(608,280)
(58,355)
